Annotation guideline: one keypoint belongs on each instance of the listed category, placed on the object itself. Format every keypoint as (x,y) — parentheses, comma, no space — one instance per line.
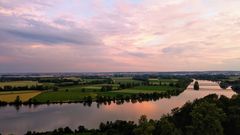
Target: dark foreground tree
(207,119)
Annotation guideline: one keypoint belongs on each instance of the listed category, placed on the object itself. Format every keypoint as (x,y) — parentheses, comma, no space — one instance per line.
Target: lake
(49,117)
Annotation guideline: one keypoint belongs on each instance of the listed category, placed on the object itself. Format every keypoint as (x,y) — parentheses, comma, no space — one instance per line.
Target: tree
(223,85)
(207,119)
(166,127)
(17,101)
(196,85)
(145,127)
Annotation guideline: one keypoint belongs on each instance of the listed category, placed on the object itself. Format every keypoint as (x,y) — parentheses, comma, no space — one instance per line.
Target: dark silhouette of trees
(207,119)
(196,85)
(223,85)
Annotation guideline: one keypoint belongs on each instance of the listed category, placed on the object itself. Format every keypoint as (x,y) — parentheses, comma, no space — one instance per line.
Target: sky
(119,35)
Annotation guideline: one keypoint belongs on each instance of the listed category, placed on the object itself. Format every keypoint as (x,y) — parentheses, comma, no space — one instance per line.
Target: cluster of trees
(236,88)
(106,88)
(130,85)
(138,97)
(210,115)
(18,88)
(101,81)
(209,77)
(235,85)
(196,85)
(18,102)
(59,81)
(109,87)
(143,78)
(54,80)
(163,84)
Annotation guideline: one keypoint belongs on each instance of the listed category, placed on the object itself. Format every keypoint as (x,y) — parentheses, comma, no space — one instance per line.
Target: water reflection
(48,117)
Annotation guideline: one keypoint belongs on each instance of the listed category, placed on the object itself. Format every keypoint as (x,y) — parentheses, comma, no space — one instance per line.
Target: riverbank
(190,119)
(79,94)
(53,116)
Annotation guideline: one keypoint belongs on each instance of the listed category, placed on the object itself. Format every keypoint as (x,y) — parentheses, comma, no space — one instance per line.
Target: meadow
(124,80)
(86,88)
(159,81)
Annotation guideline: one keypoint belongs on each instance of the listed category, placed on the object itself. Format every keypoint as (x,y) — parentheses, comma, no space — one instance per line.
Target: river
(49,117)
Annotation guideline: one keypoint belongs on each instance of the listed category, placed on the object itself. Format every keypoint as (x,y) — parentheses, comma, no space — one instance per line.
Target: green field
(147,89)
(88,88)
(162,81)
(234,78)
(73,78)
(19,83)
(91,80)
(154,88)
(62,95)
(77,92)
(124,80)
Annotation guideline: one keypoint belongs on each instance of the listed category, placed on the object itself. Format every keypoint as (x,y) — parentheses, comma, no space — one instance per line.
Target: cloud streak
(145,35)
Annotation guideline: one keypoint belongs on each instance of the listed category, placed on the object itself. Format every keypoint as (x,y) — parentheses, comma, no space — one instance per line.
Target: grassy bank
(117,88)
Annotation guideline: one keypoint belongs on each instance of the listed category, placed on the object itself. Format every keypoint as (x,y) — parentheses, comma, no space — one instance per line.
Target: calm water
(44,117)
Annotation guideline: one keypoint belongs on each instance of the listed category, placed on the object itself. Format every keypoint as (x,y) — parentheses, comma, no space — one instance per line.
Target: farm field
(63,96)
(162,81)
(124,80)
(19,83)
(78,92)
(73,93)
(24,95)
(147,89)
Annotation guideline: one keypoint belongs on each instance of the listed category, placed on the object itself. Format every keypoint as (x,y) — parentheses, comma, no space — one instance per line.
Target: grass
(76,92)
(63,96)
(88,88)
(147,89)
(19,83)
(168,80)
(73,78)
(135,91)
(73,93)
(153,80)
(24,95)
(91,80)
(234,78)
(124,80)
(79,92)
(155,88)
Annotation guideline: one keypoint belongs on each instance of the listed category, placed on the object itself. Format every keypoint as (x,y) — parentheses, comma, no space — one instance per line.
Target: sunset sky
(119,35)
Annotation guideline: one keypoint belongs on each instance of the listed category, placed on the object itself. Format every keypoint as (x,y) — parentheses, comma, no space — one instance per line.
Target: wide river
(49,117)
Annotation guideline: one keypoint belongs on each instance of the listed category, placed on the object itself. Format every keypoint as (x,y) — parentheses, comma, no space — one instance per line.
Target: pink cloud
(151,35)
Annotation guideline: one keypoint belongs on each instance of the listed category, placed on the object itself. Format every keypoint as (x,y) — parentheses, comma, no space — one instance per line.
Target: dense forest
(211,115)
